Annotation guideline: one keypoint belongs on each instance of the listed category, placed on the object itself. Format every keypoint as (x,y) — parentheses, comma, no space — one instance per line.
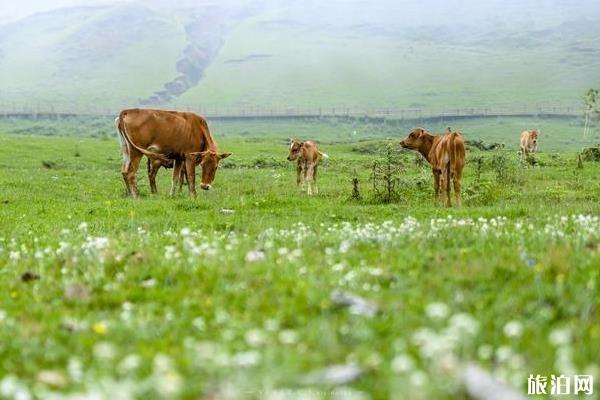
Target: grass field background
(235,293)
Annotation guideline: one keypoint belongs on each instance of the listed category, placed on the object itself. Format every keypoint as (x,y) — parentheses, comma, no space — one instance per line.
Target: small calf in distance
(529,142)
(307,156)
(446,154)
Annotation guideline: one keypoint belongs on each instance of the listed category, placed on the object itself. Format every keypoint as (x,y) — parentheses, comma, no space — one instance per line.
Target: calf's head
(209,161)
(414,139)
(295,150)
(533,135)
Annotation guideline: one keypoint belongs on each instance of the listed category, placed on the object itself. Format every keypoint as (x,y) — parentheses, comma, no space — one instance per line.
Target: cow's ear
(224,155)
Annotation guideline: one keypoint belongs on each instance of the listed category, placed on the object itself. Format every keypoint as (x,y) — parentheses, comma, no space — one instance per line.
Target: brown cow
(446,154)
(307,157)
(183,137)
(529,140)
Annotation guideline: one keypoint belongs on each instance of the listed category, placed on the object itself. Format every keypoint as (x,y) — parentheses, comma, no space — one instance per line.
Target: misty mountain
(271,53)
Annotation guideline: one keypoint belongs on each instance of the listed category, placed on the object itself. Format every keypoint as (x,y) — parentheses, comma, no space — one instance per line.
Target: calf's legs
(152,171)
(177,176)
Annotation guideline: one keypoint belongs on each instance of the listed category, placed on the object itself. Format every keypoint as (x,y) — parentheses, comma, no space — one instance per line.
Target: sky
(12,9)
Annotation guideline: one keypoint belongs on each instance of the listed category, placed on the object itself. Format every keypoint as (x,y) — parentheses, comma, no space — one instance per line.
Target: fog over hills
(240,53)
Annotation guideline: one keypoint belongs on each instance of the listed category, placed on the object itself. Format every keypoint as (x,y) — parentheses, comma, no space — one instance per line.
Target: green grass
(556,134)
(176,298)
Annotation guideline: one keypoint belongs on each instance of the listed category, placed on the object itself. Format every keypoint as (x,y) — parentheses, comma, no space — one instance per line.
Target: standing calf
(446,154)
(529,141)
(307,157)
(154,165)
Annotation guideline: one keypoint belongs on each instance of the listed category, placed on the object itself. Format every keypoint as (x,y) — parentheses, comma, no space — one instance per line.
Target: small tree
(591,107)
(385,175)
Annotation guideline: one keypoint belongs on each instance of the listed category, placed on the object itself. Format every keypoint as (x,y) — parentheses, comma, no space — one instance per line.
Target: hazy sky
(21,8)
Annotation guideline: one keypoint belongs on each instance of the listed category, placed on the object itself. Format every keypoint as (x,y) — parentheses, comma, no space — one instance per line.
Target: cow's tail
(122,140)
(457,146)
(126,142)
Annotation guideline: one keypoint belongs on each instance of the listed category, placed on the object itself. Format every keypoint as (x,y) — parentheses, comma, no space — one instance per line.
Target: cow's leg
(444,178)
(190,170)
(436,187)
(177,166)
(309,178)
(315,186)
(124,168)
(129,171)
(456,176)
(153,168)
(303,176)
(298,174)
(448,187)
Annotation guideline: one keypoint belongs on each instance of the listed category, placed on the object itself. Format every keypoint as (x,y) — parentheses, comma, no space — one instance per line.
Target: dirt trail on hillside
(205,35)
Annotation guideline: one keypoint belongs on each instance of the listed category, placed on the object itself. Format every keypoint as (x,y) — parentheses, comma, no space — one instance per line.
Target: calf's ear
(197,155)
(224,155)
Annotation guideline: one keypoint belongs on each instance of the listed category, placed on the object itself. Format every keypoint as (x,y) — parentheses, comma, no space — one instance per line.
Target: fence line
(302,112)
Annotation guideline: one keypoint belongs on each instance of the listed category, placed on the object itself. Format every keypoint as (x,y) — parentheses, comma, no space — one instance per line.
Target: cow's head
(414,139)
(533,135)
(209,161)
(295,149)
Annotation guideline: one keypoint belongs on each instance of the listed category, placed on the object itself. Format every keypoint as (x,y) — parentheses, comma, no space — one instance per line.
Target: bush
(481,193)
(385,175)
(505,168)
(591,153)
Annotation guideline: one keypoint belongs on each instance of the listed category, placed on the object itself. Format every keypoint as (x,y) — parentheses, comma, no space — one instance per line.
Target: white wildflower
(513,329)
(255,256)
(437,310)
(246,359)
(255,337)
(104,351)
(288,336)
(402,363)
(418,378)
(560,337)
(199,323)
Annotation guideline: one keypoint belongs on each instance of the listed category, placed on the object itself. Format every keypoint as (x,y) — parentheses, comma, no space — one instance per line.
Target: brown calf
(529,141)
(307,157)
(154,164)
(446,154)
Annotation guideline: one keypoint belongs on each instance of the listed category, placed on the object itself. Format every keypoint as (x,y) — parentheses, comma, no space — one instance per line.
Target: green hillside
(349,53)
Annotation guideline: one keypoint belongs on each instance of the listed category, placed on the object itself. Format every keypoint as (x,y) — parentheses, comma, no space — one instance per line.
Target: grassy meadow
(254,290)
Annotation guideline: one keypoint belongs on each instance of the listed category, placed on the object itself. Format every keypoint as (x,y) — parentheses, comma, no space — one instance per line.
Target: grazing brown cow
(167,135)
(307,157)
(446,154)
(529,140)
